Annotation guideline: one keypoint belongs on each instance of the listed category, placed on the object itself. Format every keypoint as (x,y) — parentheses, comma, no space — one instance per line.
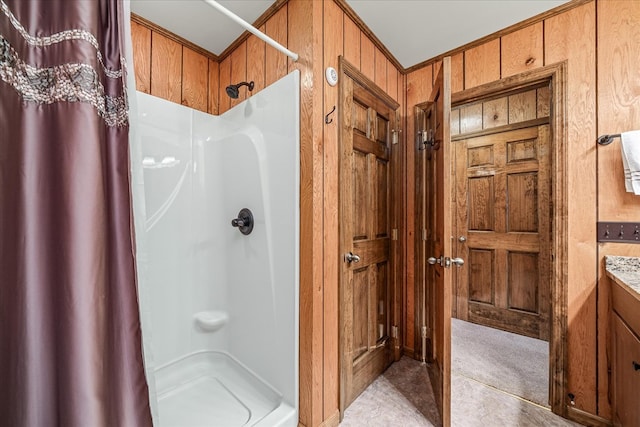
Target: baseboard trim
(586,418)
(332,421)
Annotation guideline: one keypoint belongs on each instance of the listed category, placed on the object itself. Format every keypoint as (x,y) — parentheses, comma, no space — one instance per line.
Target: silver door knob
(432,260)
(462,239)
(457,261)
(351,257)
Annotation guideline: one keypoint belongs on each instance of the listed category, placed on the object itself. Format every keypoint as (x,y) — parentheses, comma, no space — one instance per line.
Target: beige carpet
(509,362)
(402,397)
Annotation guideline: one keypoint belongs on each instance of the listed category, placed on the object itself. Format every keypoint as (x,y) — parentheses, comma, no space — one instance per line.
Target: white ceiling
(412,30)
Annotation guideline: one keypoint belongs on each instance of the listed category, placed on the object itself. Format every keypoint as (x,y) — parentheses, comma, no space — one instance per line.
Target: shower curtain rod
(252,29)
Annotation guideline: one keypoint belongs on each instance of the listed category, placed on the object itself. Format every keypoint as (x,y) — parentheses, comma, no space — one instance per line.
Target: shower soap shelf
(211,321)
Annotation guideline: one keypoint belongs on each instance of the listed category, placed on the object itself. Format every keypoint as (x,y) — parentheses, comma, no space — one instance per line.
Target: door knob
(351,257)
(462,239)
(457,261)
(433,260)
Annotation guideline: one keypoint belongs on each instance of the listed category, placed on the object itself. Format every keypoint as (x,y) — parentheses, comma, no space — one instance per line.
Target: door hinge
(394,332)
(424,234)
(394,234)
(395,135)
(426,332)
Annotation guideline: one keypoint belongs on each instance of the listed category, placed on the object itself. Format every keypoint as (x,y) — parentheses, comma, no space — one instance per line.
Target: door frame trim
(556,75)
(347,70)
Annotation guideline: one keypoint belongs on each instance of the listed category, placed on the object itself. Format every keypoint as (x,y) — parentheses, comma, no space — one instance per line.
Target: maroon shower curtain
(70,339)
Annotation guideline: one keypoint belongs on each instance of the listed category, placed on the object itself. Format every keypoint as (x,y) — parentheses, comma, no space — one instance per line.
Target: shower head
(232,90)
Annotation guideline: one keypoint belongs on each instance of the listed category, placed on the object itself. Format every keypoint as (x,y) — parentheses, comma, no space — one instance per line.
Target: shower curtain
(70,341)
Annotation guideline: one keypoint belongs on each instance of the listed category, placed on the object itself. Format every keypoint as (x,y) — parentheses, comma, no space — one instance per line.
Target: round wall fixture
(332,76)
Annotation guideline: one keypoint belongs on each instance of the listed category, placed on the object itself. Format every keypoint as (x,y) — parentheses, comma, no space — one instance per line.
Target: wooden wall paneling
(618,102)
(367,57)
(418,87)
(351,42)
(166,68)
(256,49)
(435,69)
(522,50)
(523,106)
(304,27)
(195,79)
(457,72)
(239,72)
(333,48)
(496,113)
(214,88)
(618,90)
(141,40)
(392,81)
(380,69)
(482,64)
(225,80)
(471,118)
(562,43)
(276,62)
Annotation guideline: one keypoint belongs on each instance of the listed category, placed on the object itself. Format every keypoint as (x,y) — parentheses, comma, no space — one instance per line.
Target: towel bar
(607,139)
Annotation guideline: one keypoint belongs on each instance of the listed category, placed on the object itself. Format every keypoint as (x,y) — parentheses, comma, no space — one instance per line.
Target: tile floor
(403,397)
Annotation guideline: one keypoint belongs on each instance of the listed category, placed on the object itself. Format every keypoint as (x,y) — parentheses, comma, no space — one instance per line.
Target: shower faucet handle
(237,222)
(244,221)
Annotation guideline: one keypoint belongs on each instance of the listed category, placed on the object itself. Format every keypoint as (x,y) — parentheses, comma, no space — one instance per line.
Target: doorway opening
(508,211)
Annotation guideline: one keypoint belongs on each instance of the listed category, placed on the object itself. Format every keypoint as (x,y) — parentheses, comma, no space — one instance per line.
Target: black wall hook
(327,120)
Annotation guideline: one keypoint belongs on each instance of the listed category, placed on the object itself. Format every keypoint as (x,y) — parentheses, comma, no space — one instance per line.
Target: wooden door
(434,249)
(367,119)
(503,230)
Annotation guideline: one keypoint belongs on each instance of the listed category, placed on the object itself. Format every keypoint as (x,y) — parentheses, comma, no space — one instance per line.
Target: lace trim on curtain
(69,82)
(75,34)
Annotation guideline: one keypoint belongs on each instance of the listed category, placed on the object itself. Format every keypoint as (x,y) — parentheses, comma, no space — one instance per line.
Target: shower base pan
(210,388)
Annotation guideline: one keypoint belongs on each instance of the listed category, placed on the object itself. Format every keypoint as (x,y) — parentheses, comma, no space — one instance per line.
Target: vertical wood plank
(333,48)
(392,80)
(239,72)
(457,72)
(562,43)
(305,37)
(256,49)
(225,80)
(166,68)
(367,57)
(418,87)
(522,50)
(482,64)
(141,40)
(381,70)
(276,62)
(351,42)
(618,100)
(195,79)
(214,88)
(436,69)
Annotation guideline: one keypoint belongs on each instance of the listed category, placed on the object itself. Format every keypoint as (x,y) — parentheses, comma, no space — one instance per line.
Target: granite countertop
(624,270)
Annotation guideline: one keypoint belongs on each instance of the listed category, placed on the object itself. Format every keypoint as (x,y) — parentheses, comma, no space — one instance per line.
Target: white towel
(630,143)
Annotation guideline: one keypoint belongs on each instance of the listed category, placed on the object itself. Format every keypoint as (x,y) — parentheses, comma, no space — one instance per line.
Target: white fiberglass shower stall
(220,308)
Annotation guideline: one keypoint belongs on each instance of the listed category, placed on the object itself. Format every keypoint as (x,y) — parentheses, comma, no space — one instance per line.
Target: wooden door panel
(481,275)
(503,211)
(365,230)
(360,313)
(481,203)
(382,199)
(433,237)
(522,281)
(522,193)
(360,195)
